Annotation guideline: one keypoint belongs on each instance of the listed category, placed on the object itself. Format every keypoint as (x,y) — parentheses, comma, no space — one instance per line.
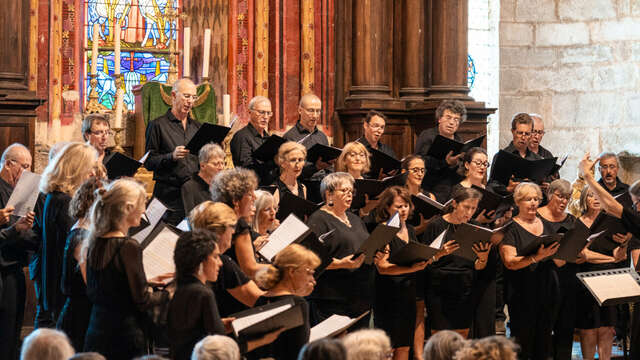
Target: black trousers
(12,298)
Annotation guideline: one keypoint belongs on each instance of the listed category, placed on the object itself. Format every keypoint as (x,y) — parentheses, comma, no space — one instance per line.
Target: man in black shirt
(609,180)
(170,161)
(13,256)
(249,138)
(96,131)
(536,138)
(306,130)
(196,189)
(441,174)
(373,129)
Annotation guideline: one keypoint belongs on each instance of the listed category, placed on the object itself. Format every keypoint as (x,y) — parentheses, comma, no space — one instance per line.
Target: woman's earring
(330,203)
(201,270)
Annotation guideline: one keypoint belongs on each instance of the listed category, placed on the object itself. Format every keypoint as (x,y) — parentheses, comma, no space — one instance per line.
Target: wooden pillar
(307,47)
(449,27)
(372,49)
(261,51)
(412,49)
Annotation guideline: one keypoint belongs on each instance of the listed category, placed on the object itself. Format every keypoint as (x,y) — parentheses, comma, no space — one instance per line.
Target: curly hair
(291,257)
(489,348)
(455,106)
(192,248)
(231,185)
(84,197)
(387,198)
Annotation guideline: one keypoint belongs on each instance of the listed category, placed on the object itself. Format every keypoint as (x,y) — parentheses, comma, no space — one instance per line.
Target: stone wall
(577,63)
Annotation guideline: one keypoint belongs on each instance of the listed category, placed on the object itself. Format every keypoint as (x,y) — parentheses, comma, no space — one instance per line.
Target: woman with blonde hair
(368,344)
(291,157)
(265,219)
(64,174)
(356,161)
(290,276)
(116,282)
(234,291)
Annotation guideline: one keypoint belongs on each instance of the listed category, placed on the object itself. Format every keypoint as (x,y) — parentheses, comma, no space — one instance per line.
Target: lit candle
(94,49)
(186,52)
(226,109)
(117,122)
(116,47)
(206,52)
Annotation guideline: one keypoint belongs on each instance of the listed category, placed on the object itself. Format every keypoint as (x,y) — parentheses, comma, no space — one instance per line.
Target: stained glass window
(145,36)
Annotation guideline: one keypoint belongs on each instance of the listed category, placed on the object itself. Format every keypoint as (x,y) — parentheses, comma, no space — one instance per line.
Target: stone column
(413,50)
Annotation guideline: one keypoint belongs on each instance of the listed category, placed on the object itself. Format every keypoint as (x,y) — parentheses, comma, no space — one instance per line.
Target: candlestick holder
(93,106)
(205,80)
(117,138)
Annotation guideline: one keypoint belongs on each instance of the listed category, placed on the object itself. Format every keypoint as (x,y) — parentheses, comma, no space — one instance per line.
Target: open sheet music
(291,230)
(332,326)
(612,287)
(157,256)
(260,320)
(24,196)
(155,211)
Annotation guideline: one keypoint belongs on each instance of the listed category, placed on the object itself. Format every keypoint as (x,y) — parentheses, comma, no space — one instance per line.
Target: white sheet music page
(394,221)
(437,243)
(144,158)
(431,201)
(157,257)
(184,225)
(331,324)
(25,194)
(288,232)
(244,322)
(154,213)
(613,286)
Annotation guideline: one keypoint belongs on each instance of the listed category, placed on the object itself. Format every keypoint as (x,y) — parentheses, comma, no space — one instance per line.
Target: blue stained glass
(471,72)
(143,26)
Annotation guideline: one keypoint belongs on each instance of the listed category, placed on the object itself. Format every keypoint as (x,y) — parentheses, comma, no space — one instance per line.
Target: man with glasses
(13,255)
(249,138)
(96,132)
(196,189)
(306,131)
(170,161)
(536,138)
(373,129)
(441,174)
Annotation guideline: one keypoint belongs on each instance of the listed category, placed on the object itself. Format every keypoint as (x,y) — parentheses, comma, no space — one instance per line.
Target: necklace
(344,220)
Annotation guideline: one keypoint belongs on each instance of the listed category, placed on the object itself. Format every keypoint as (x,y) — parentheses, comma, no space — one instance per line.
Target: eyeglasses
(561,196)
(451,118)
(605,167)
(345,191)
(417,170)
(263,113)
(217,164)
(376,126)
(313,111)
(356,154)
(189,96)
(481,163)
(523,133)
(102,132)
(537,132)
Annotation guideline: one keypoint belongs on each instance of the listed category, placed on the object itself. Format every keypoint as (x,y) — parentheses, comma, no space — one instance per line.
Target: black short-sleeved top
(288,344)
(342,284)
(451,263)
(230,276)
(194,192)
(193,314)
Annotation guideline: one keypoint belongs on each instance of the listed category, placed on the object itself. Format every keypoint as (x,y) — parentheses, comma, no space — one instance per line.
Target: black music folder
(261,320)
(559,164)
(269,149)
(380,160)
(370,187)
(333,325)
(412,253)
(269,188)
(606,226)
(318,245)
(625,200)
(207,133)
(532,247)
(119,165)
(507,164)
(381,236)
(441,146)
(468,234)
(426,206)
(574,240)
(493,202)
(292,204)
(612,287)
(327,153)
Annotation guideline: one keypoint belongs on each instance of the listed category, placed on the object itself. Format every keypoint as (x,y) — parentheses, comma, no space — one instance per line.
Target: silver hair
(179,82)
(47,344)
(257,100)
(560,185)
(332,181)
(607,155)
(367,344)
(263,198)
(216,347)
(87,123)
(308,97)
(11,151)
(534,115)
(210,151)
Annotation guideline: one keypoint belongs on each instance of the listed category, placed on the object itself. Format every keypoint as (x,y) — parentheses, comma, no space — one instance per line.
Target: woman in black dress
(116,283)
(356,160)
(395,300)
(555,219)
(74,164)
(289,277)
(291,157)
(450,278)
(413,168)
(531,286)
(74,318)
(234,291)
(596,323)
(236,188)
(346,287)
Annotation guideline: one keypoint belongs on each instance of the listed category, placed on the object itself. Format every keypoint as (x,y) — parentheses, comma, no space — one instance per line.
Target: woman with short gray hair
(345,288)
(367,344)
(196,189)
(216,347)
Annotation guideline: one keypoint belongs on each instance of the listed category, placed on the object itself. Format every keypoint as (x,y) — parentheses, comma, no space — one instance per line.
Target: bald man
(13,254)
(170,161)
(310,109)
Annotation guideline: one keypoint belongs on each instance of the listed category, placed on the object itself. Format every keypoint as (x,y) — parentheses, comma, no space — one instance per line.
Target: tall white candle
(186,52)
(117,122)
(94,49)
(116,47)
(206,52)
(226,109)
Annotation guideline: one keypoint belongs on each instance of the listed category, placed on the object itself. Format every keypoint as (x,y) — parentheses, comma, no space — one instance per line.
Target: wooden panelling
(14,40)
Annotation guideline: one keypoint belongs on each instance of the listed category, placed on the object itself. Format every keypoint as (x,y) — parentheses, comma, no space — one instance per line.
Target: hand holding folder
(441,146)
